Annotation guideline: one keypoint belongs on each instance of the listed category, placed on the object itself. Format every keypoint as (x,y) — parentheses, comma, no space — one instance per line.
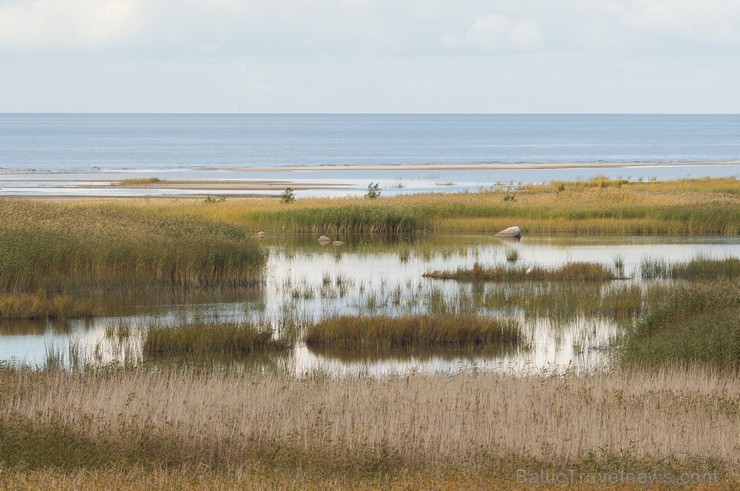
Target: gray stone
(510,232)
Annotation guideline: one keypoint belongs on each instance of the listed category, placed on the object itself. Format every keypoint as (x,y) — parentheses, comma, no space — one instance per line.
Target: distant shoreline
(332,180)
(523,166)
(407,167)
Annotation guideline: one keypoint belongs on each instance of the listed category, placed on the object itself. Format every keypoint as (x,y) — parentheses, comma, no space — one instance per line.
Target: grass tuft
(574,271)
(210,339)
(139,181)
(423,332)
(44,306)
(697,269)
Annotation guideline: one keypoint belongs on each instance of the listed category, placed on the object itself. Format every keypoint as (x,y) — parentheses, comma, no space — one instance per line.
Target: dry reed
(679,419)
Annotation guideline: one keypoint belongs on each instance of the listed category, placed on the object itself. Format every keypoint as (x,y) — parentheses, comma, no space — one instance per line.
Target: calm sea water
(91,142)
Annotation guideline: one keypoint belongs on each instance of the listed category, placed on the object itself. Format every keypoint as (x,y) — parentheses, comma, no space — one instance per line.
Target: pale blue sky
(485,56)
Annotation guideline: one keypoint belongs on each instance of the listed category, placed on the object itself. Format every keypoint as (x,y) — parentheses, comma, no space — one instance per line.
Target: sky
(370,56)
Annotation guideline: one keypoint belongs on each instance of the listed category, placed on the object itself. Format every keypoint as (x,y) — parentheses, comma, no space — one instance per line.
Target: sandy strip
(230,185)
(192,184)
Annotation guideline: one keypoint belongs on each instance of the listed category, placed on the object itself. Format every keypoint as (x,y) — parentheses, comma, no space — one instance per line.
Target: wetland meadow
(195,342)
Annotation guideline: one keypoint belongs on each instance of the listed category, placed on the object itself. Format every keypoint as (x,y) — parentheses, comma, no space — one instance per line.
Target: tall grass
(701,207)
(679,420)
(201,339)
(41,305)
(697,269)
(696,323)
(557,301)
(59,246)
(573,271)
(343,219)
(422,332)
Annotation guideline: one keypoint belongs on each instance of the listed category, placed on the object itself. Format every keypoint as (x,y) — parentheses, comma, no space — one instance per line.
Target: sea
(61,153)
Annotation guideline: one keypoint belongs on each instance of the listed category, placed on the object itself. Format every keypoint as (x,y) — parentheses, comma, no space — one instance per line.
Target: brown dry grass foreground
(221,428)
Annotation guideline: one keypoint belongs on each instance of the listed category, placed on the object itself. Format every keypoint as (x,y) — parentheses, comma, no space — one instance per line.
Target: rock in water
(323,240)
(510,232)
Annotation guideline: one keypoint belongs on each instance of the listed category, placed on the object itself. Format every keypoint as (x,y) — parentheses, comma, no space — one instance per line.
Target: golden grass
(41,305)
(63,246)
(698,207)
(673,419)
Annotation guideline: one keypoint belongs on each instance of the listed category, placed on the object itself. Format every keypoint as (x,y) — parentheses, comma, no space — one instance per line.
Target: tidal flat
(159,339)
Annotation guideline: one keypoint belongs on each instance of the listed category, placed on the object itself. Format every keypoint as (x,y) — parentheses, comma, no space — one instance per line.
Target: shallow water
(70,154)
(337,182)
(306,281)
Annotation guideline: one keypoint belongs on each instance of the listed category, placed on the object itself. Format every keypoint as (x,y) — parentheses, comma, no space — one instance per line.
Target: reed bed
(557,301)
(41,305)
(224,419)
(202,339)
(696,323)
(697,269)
(375,334)
(62,246)
(700,207)
(573,271)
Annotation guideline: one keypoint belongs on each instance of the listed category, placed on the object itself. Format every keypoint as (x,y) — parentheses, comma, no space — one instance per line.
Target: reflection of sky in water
(309,282)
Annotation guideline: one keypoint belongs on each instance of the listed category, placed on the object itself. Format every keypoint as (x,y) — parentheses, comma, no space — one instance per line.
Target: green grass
(63,247)
(44,306)
(575,272)
(346,218)
(201,339)
(423,332)
(697,269)
(557,301)
(696,323)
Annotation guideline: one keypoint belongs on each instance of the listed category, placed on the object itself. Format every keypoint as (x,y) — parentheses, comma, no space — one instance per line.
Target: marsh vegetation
(575,272)
(362,430)
(588,354)
(598,207)
(76,246)
(374,334)
(210,340)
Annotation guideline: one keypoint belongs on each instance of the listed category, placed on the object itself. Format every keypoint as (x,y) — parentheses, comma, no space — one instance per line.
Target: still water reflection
(306,281)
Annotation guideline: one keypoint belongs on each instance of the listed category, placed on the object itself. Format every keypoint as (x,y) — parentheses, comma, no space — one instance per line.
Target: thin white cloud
(370,55)
(86,24)
(493,32)
(362,27)
(712,21)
